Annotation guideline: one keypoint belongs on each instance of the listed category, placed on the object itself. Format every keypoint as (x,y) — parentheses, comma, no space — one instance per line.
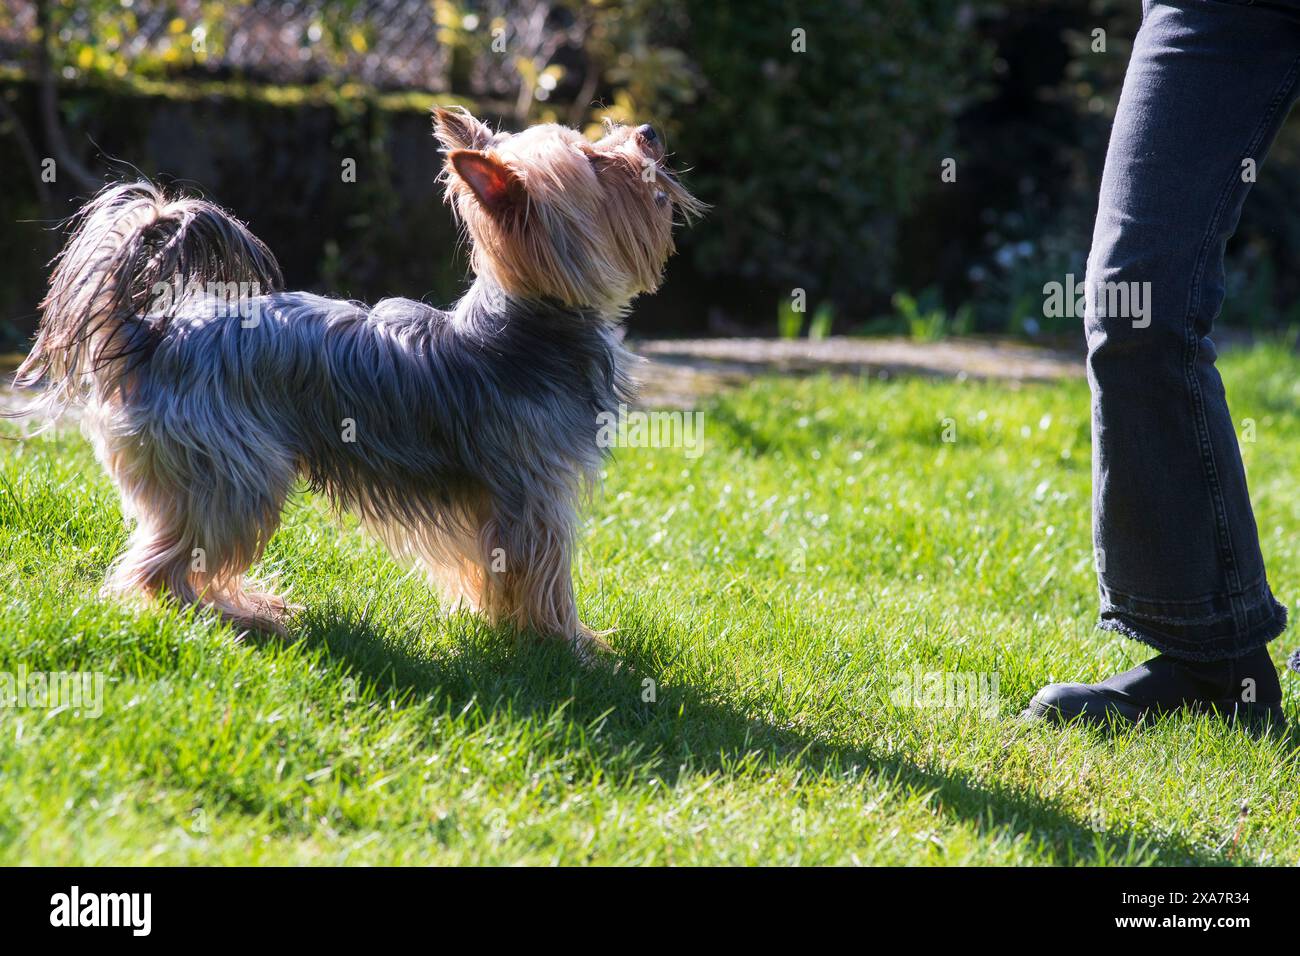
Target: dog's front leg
(528,573)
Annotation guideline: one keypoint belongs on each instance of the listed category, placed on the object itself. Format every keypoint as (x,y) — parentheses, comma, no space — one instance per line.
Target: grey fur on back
(492,394)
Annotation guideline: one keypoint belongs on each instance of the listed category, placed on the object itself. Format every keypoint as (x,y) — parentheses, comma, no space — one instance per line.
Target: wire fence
(387,44)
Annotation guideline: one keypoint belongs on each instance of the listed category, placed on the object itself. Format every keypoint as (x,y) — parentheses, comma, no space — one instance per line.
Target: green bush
(811,158)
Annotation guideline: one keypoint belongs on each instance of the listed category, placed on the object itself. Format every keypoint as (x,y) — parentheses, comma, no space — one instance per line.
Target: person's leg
(1178,557)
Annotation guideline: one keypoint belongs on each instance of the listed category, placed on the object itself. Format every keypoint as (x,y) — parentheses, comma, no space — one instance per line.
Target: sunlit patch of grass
(768,596)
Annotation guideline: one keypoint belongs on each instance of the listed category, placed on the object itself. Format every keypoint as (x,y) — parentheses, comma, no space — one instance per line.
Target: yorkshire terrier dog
(464,439)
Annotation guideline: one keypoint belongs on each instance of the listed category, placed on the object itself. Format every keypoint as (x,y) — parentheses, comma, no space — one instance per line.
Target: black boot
(1245,689)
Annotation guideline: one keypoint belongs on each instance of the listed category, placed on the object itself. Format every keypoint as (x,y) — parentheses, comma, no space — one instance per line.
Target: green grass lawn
(827,543)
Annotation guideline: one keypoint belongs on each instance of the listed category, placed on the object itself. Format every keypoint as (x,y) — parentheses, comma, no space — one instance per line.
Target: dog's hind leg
(196,542)
(198,554)
(158,555)
(232,539)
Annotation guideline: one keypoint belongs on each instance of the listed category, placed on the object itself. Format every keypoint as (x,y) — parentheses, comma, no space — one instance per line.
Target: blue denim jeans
(1178,556)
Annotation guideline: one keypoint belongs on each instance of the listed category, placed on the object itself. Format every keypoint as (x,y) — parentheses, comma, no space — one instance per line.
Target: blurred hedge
(811,159)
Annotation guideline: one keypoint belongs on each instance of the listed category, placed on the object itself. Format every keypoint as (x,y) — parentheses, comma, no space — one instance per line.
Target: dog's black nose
(647,133)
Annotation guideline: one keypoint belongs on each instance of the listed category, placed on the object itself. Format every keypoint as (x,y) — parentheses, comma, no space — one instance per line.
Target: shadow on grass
(688,730)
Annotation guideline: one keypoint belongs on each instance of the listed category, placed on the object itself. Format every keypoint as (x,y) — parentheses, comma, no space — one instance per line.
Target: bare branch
(30,156)
(48,101)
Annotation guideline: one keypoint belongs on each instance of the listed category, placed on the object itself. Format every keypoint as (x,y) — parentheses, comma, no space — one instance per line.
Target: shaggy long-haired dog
(464,439)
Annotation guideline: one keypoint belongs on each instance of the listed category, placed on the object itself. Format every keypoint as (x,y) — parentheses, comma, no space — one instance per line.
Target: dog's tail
(134,256)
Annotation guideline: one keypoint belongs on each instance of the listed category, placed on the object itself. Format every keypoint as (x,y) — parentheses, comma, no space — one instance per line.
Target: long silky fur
(475,434)
(475,428)
(127,241)
(465,438)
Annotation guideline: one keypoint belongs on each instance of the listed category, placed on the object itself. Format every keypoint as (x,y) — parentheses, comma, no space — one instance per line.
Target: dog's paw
(591,649)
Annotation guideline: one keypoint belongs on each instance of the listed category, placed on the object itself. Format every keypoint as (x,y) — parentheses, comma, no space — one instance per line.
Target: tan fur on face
(585,224)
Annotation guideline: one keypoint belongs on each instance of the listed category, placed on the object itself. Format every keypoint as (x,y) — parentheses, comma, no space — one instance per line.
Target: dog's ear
(493,183)
(455,128)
